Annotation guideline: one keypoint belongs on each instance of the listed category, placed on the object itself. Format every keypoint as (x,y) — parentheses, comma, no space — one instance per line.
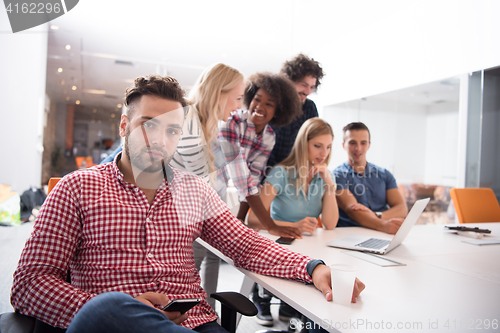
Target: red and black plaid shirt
(105,231)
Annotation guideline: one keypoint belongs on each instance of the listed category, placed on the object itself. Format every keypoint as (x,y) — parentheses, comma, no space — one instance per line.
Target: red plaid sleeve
(39,287)
(249,249)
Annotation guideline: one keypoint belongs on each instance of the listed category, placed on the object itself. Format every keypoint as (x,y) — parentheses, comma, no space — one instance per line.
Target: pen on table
(470,234)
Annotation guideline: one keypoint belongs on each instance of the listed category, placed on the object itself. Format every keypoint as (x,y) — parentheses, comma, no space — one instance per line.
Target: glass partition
(414,134)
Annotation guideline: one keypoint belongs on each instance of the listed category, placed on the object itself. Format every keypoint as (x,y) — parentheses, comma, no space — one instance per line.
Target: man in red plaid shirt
(125,230)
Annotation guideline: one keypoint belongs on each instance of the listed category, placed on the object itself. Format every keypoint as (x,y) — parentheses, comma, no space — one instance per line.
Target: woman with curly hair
(247,140)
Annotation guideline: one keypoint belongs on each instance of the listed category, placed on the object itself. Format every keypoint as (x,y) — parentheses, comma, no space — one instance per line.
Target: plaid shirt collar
(171,175)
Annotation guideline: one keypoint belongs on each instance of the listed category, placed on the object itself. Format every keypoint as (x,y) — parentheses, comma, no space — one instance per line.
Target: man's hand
(322,280)
(284,231)
(358,288)
(161,300)
(391,226)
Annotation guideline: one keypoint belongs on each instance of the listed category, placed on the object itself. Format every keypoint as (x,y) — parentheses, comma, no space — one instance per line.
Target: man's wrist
(311,265)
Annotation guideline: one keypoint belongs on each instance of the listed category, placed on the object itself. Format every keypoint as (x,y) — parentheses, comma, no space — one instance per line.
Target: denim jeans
(119,312)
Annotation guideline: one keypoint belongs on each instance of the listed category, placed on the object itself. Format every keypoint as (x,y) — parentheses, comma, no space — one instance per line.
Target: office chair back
(475,205)
(52,182)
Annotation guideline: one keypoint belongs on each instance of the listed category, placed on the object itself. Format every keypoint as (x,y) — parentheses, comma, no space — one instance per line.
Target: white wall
(22,96)
(371,47)
(442,145)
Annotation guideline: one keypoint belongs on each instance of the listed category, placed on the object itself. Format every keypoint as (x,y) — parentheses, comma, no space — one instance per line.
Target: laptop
(379,245)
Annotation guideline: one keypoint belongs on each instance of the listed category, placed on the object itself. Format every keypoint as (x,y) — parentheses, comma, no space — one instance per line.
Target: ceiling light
(77,102)
(60,70)
(62,82)
(67,98)
(94,91)
(54,27)
(112,115)
(68,47)
(95,110)
(73,88)
(124,63)
(118,105)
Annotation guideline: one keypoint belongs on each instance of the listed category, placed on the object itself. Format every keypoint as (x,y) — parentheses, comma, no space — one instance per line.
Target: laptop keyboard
(374,243)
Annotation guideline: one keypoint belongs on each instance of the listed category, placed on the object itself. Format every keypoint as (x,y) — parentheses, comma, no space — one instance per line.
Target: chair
(475,205)
(52,182)
(231,304)
(79,161)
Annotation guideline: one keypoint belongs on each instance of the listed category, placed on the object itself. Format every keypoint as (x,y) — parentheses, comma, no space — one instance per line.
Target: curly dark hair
(162,86)
(288,106)
(301,66)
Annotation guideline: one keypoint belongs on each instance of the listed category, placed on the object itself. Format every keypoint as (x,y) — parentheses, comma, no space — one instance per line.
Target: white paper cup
(343,278)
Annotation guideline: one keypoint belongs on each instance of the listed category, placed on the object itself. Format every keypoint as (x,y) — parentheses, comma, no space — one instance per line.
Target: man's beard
(139,158)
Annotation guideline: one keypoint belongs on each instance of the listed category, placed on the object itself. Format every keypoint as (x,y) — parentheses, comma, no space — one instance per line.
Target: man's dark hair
(288,106)
(302,66)
(155,85)
(357,126)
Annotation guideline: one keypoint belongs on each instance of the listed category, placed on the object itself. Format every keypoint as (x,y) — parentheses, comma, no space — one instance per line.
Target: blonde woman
(297,191)
(216,95)
(300,188)
(217,92)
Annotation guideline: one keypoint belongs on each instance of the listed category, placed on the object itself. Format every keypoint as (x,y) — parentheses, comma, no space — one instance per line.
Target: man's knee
(109,300)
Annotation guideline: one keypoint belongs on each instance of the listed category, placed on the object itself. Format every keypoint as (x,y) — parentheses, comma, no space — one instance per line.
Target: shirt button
(150,255)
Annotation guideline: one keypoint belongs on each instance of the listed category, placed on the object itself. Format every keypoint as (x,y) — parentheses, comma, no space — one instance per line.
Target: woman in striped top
(217,92)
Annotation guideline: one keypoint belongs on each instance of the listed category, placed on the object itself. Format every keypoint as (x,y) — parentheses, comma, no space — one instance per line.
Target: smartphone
(285,240)
(182,305)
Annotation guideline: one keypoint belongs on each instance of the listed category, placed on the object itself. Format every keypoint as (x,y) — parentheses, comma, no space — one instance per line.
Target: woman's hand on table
(307,224)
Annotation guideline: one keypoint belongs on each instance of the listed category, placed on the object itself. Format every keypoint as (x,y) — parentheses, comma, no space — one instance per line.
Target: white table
(446,285)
